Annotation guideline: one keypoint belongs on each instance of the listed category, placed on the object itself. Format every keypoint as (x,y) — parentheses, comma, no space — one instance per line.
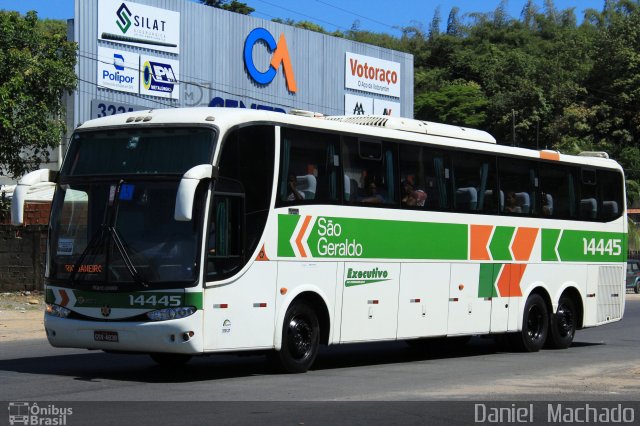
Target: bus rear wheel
(535,325)
(170,360)
(563,324)
(300,339)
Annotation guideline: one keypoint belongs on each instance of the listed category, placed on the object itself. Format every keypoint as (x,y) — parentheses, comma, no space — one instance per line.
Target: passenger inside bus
(412,197)
(308,183)
(294,192)
(372,195)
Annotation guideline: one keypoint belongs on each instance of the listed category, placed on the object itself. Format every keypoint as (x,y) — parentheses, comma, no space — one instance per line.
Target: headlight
(57,311)
(171,313)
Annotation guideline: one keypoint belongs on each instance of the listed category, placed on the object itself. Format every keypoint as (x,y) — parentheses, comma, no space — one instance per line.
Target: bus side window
(372,165)
(474,180)
(610,190)
(518,186)
(412,176)
(309,163)
(559,182)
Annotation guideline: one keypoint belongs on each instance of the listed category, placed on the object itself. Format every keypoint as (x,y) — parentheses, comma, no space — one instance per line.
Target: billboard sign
(139,25)
(384,107)
(373,75)
(159,77)
(357,105)
(118,70)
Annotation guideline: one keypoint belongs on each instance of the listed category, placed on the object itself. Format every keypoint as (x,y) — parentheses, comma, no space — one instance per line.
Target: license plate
(105,336)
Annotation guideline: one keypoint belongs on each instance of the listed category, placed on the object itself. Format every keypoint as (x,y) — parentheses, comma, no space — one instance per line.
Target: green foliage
(5,208)
(459,102)
(231,6)
(36,68)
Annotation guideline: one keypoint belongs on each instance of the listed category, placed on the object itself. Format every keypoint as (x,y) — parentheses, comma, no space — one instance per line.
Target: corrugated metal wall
(211,63)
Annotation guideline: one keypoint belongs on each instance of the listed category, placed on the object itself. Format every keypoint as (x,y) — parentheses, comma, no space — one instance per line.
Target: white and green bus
(197,231)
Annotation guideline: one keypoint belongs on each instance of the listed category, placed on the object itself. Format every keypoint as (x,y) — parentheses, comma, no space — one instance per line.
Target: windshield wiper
(98,240)
(125,256)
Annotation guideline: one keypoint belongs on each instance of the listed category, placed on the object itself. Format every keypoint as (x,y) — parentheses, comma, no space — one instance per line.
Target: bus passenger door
(469,313)
(239,309)
(423,302)
(370,301)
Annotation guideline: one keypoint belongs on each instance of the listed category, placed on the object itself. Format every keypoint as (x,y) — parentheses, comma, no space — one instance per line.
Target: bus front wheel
(563,324)
(300,339)
(535,325)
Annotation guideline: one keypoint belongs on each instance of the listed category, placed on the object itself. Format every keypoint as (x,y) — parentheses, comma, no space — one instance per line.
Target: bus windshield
(113,212)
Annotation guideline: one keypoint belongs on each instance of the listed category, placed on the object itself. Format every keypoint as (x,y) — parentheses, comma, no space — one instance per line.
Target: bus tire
(170,360)
(535,325)
(300,339)
(563,324)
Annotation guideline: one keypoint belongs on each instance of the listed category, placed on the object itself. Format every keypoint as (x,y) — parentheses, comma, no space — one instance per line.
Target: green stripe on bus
(335,237)
(583,246)
(577,246)
(488,276)
(500,242)
(549,241)
(286,225)
(137,300)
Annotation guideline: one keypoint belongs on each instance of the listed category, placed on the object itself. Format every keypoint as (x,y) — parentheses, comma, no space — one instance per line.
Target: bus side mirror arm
(187,190)
(20,193)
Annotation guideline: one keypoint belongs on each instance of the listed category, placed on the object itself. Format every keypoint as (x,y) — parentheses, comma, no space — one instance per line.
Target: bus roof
(397,128)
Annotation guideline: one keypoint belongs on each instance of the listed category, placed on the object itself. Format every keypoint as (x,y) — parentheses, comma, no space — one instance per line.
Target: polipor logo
(123,21)
(280,56)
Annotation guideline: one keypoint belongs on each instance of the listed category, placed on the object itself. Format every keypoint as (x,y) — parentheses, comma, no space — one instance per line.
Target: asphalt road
(364,383)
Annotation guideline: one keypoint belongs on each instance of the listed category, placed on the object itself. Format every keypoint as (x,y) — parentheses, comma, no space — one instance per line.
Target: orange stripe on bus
(305,224)
(523,243)
(509,280)
(480,235)
(550,155)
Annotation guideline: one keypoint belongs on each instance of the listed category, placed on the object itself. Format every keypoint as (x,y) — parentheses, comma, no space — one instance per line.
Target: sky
(373,15)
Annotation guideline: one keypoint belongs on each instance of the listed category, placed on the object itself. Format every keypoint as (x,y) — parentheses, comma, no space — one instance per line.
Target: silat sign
(139,25)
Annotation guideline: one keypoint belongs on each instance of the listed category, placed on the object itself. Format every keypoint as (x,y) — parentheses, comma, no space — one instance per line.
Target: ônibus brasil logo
(123,21)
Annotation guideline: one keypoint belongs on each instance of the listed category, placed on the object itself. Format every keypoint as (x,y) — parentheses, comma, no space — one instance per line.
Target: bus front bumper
(182,336)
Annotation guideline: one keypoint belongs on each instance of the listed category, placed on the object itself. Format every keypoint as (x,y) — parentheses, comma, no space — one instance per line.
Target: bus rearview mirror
(36,178)
(187,190)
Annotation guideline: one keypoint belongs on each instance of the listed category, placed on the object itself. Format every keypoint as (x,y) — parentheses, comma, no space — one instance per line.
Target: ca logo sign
(280,56)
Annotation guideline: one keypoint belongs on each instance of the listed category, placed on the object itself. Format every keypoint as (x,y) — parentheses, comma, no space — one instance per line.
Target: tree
(459,102)
(36,68)
(454,26)
(434,28)
(231,6)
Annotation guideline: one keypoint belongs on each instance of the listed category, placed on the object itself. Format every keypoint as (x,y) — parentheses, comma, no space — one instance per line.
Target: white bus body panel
(370,311)
(248,318)
(468,314)
(423,301)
